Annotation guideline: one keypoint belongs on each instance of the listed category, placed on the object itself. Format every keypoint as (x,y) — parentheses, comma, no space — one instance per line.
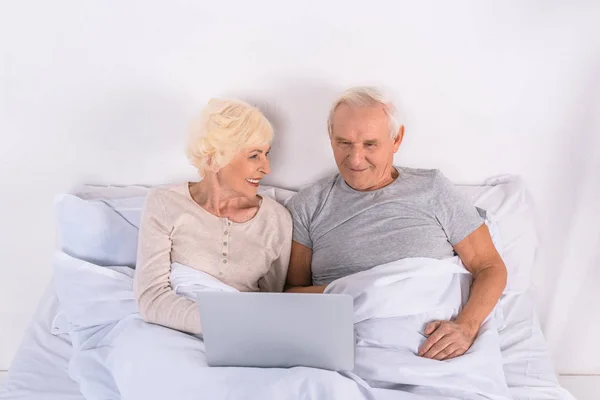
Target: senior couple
(369,213)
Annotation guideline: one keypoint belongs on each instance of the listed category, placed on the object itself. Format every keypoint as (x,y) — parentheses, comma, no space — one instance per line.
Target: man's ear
(398,139)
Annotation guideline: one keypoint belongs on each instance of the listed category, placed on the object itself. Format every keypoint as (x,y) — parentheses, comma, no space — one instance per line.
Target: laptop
(278,330)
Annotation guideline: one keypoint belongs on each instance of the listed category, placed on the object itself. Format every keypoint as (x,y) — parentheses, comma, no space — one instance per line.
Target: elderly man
(373,212)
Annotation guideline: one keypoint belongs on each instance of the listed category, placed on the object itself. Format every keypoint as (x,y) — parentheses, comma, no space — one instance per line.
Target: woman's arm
(274,279)
(157,302)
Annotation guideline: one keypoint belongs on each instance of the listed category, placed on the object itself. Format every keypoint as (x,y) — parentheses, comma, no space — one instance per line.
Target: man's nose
(356,156)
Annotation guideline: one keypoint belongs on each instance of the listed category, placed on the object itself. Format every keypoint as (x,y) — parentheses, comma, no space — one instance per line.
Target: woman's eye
(254,156)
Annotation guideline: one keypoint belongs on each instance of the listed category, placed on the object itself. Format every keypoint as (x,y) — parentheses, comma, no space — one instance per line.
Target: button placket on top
(224,258)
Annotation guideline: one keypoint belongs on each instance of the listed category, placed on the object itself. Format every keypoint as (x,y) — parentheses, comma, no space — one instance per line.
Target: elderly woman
(220,225)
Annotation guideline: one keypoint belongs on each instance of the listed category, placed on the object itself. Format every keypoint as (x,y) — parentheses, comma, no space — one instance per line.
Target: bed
(40,369)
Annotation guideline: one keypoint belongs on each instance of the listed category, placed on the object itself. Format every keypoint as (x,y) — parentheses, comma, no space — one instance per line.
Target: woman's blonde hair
(223,129)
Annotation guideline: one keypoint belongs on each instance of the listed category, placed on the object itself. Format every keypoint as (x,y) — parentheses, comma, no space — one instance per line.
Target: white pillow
(509,205)
(93,231)
(88,228)
(100,224)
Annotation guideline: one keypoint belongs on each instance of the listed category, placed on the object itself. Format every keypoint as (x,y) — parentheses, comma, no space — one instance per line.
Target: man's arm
(448,339)
(299,275)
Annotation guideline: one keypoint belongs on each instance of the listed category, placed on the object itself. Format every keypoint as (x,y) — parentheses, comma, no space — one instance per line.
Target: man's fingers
(445,353)
(431,327)
(455,354)
(441,348)
(426,346)
(431,340)
(445,341)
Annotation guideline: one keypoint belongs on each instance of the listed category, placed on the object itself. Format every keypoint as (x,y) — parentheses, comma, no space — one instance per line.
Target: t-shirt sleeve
(455,213)
(298,208)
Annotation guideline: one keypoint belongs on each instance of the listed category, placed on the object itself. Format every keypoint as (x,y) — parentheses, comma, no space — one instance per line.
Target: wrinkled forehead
(360,122)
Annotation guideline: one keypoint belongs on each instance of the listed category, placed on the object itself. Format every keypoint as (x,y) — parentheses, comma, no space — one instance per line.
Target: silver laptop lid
(278,329)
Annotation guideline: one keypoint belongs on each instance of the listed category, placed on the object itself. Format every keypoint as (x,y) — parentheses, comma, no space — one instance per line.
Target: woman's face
(244,172)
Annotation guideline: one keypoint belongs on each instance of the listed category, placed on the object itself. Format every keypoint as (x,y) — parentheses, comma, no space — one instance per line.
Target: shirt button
(229,223)
(226,232)
(224,254)
(224,243)
(224,261)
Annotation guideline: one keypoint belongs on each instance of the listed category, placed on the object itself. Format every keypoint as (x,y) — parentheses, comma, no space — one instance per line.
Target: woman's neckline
(191,198)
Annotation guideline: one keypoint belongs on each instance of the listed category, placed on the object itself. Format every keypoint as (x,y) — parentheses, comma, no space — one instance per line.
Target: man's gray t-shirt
(420,214)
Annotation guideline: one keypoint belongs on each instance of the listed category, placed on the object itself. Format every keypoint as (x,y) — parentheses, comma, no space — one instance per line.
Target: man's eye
(369,144)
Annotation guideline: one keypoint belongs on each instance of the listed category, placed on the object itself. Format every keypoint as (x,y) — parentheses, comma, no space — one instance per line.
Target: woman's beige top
(250,256)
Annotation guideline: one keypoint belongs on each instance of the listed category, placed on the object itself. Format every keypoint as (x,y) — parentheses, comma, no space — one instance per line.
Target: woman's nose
(266,167)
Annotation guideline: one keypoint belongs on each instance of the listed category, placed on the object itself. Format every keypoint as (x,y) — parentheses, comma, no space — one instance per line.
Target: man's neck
(387,179)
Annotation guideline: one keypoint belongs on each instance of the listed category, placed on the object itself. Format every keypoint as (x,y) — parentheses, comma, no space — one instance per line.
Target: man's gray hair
(367,96)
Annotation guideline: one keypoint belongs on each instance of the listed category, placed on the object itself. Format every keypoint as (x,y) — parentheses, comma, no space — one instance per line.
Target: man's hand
(306,289)
(447,339)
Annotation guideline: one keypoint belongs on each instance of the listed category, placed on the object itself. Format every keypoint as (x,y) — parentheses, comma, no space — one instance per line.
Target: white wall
(102,92)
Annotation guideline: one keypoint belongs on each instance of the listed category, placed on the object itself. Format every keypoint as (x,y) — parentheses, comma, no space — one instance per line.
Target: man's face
(362,147)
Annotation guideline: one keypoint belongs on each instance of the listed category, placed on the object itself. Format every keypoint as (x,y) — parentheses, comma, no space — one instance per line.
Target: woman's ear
(212,165)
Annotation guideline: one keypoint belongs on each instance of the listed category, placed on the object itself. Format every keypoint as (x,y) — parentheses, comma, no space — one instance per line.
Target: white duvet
(118,355)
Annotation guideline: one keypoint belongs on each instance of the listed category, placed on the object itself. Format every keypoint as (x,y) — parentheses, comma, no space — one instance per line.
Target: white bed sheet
(40,368)
(528,367)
